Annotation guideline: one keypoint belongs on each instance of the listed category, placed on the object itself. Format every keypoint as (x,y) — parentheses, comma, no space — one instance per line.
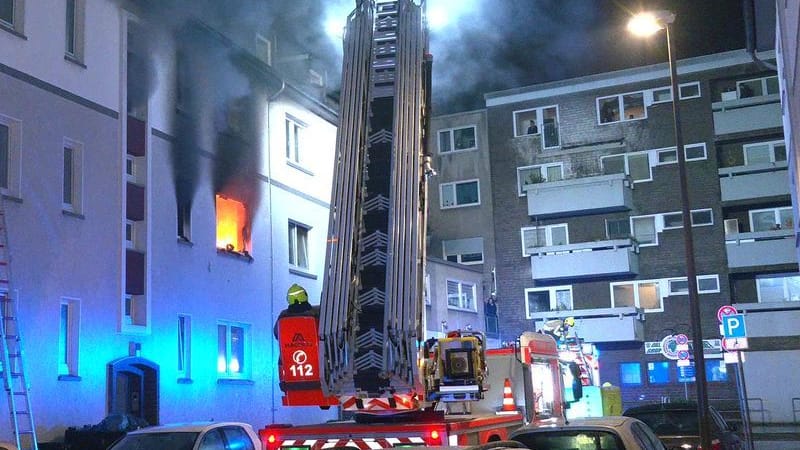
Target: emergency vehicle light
(434,437)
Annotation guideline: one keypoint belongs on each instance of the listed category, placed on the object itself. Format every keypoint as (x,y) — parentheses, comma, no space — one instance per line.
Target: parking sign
(733,326)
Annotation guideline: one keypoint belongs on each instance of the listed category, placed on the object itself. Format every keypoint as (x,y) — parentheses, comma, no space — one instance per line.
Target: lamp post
(646,24)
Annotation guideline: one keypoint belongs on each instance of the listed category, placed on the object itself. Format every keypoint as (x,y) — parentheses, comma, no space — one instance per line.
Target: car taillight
(271,441)
(433,437)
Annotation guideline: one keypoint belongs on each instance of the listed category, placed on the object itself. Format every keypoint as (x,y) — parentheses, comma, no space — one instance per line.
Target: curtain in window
(452,293)
(648,296)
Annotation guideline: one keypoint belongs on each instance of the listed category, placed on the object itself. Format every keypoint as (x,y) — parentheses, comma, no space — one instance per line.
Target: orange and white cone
(509,407)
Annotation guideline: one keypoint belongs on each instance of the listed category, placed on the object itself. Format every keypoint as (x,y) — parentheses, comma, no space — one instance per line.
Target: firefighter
(297,298)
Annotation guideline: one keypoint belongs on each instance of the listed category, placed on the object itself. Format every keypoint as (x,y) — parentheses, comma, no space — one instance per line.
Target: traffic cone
(509,407)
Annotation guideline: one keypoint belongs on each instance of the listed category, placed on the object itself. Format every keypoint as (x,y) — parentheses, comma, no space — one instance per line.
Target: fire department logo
(298,340)
(299,357)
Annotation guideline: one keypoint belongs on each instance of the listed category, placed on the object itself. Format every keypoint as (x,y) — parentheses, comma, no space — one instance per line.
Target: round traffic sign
(681,339)
(683,354)
(726,310)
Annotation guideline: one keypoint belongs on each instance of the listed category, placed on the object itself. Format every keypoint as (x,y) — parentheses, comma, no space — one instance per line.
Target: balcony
(579,196)
(754,181)
(618,257)
(761,248)
(600,325)
(747,114)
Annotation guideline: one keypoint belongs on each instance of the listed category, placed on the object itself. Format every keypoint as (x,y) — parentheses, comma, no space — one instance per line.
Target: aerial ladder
(16,382)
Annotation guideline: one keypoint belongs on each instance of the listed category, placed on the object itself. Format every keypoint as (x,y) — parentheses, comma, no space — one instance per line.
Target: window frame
(461,299)
(548,235)
(184,350)
(692,214)
(17,24)
(621,107)
(453,184)
(294,234)
(657,227)
(539,110)
(294,130)
(776,213)
(764,86)
(542,173)
(553,297)
(13,157)
(625,220)
(622,381)
(68,337)
(636,300)
(668,371)
(671,291)
(76,53)
(460,256)
(451,139)
(771,148)
(784,285)
(246,328)
(74,203)
(626,164)
(680,92)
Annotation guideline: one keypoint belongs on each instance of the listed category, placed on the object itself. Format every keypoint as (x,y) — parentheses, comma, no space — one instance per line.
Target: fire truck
(364,350)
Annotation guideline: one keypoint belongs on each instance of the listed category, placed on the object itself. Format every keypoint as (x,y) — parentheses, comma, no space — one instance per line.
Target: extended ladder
(16,383)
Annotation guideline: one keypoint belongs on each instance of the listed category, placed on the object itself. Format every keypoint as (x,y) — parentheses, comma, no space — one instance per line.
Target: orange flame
(231,224)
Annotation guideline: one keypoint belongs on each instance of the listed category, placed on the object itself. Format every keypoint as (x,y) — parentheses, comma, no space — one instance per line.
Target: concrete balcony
(579,196)
(600,325)
(585,260)
(754,181)
(747,114)
(761,248)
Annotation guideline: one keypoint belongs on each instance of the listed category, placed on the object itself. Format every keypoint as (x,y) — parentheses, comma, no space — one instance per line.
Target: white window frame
(691,146)
(130,234)
(461,295)
(18,18)
(776,212)
(669,92)
(548,234)
(75,203)
(68,346)
(626,159)
(295,131)
(636,284)
(542,173)
(770,144)
(452,139)
(552,291)
(784,283)
(763,81)
(460,256)
(78,32)
(621,106)
(672,290)
(692,215)
(539,110)
(295,234)
(184,342)
(14,157)
(658,225)
(452,186)
(224,367)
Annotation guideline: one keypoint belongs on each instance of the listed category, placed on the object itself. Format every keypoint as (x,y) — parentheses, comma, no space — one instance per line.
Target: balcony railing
(761,248)
(754,181)
(585,260)
(600,325)
(747,114)
(575,196)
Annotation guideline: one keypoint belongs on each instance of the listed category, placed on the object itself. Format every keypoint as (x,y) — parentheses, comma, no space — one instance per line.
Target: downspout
(749,12)
(270,99)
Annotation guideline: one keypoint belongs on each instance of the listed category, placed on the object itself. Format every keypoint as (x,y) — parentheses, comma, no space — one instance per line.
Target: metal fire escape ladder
(16,382)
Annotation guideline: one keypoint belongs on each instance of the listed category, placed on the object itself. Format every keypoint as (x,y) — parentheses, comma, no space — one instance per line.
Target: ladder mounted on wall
(16,382)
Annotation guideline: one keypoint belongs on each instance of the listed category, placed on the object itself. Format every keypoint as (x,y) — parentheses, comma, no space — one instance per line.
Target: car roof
(187,427)
(584,422)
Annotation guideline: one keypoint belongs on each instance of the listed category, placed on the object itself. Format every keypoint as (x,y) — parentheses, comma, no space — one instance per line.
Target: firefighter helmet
(296,295)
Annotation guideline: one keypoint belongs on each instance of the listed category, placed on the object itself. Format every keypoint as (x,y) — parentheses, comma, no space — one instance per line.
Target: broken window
(233,231)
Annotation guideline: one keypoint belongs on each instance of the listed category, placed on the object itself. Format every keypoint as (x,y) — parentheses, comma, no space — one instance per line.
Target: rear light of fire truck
(434,437)
(715,445)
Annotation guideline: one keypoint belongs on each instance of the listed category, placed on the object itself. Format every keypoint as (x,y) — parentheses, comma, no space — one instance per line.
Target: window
(771,219)
(757,87)
(237,438)
(778,288)
(706,284)
(538,121)
(463,251)
(184,217)
(233,230)
(621,108)
(74,28)
(641,294)
(687,91)
(636,165)
(644,230)
(10,137)
(298,245)
(700,218)
(716,370)
(457,139)
(555,298)
(233,350)
(543,236)
(134,310)
(658,372)
(69,311)
(458,194)
(666,156)
(538,174)
(764,152)
(618,228)
(294,140)
(461,295)
(263,49)
(630,373)
(12,14)
(694,152)
(184,346)
(130,234)
(72,176)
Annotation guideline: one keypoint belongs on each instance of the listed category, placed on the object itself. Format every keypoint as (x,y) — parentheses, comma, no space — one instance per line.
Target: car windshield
(571,440)
(157,441)
(670,423)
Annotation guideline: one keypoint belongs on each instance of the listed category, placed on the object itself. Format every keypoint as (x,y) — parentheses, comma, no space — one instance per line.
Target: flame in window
(232,233)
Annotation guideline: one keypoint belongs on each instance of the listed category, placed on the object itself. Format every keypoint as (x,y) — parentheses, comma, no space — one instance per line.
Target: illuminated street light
(647,24)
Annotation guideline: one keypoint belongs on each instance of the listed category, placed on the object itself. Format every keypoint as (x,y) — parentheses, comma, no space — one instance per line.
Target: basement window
(233,232)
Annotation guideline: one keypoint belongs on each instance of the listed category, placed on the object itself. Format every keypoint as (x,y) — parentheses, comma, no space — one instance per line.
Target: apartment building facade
(163,185)
(588,224)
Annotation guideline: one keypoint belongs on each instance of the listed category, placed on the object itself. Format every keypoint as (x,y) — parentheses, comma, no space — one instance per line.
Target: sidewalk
(776,437)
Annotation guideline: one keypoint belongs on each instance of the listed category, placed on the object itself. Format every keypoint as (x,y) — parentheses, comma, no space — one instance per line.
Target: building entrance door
(133,388)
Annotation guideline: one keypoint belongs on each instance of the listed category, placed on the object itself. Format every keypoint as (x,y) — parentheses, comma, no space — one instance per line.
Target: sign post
(734,332)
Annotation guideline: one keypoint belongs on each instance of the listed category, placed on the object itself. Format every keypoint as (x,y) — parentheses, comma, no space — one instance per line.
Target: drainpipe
(749,12)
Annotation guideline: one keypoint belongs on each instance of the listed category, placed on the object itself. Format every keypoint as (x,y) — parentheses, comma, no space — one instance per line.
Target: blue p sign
(733,326)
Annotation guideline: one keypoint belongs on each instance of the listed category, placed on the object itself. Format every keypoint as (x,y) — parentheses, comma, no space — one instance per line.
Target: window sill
(236,381)
(302,273)
(241,256)
(12,30)
(69,378)
(74,60)
(454,308)
(185,241)
(134,329)
(73,214)
(185,381)
(12,198)
(299,167)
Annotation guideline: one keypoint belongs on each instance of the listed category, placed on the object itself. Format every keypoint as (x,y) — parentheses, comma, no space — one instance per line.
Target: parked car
(677,425)
(192,436)
(593,433)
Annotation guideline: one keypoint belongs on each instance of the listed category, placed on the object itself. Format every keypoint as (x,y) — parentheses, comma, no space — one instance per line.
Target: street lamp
(647,24)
